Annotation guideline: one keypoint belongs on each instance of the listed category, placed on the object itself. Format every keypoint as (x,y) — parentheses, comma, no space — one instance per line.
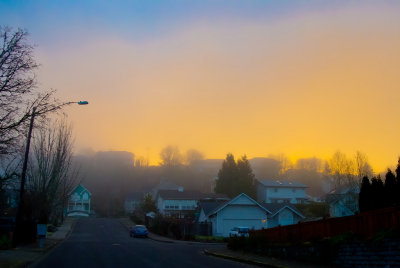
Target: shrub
(5,242)
(237,242)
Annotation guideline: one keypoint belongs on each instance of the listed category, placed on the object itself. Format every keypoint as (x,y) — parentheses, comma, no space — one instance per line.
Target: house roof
(276,208)
(281,183)
(180,195)
(80,189)
(223,205)
(208,206)
(341,192)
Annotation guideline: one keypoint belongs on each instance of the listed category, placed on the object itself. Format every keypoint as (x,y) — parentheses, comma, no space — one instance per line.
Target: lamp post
(18,219)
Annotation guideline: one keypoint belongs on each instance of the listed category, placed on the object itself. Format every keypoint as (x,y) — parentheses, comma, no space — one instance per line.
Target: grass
(203,238)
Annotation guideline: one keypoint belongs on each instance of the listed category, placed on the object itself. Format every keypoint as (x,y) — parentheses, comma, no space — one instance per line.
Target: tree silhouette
(390,189)
(235,178)
(365,195)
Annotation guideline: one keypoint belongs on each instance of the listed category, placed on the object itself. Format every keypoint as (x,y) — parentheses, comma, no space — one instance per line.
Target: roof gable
(208,206)
(277,208)
(80,190)
(242,199)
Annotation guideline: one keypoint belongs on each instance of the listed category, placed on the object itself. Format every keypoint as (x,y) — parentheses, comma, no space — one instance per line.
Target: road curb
(160,240)
(243,260)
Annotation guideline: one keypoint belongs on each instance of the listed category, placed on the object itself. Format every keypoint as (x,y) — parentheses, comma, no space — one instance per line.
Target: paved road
(97,242)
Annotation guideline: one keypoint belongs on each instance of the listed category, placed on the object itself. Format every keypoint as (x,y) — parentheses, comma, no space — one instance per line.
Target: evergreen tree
(235,178)
(377,193)
(390,189)
(364,201)
(227,176)
(245,178)
(398,183)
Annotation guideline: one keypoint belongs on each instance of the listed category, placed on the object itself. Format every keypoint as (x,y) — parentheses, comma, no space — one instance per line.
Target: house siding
(251,216)
(278,194)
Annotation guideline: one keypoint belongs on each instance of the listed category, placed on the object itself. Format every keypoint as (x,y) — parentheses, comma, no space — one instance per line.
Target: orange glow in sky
(306,84)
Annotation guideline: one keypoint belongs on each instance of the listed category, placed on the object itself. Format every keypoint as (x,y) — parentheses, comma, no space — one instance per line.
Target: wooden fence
(364,225)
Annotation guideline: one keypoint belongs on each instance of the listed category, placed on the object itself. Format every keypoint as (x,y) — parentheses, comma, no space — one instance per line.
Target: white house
(240,211)
(79,202)
(163,185)
(343,201)
(282,214)
(207,206)
(177,203)
(269,191)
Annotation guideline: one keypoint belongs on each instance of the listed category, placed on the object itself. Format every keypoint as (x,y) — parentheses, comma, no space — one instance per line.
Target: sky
(302,78)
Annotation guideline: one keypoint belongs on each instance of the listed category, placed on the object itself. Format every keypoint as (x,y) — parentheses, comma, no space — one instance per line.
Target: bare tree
(192,156)
(52,176)
(18,89)
(342,169)
(313,163)
(141,162)
(286,164)
(170,156)
(362,167)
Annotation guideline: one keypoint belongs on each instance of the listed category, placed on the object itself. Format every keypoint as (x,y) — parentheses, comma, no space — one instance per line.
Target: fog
(112,175)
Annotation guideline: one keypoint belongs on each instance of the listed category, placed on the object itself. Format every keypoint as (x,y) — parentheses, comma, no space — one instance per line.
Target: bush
(5,242)
(237,242)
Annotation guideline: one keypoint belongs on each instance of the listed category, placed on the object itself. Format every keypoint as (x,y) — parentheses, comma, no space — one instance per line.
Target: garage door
(228,224)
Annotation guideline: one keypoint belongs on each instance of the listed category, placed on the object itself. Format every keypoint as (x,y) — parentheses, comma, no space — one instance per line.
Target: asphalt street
(98,242)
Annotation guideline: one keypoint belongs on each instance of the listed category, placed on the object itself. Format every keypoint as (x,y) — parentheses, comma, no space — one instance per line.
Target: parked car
(239,231)
(138,231)
(51,228)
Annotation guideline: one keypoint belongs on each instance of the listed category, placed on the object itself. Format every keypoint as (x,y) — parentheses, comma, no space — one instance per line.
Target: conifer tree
(377,193)
(365,196)
(235,178)
(390,189)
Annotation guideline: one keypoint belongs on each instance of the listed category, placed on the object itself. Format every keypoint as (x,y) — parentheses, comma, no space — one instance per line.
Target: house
(163,185)
(177,203)
(182,203)
(343,201)
(240,211)
(206,206)
(132,201)
(79,202)
(282,214)
(278,191)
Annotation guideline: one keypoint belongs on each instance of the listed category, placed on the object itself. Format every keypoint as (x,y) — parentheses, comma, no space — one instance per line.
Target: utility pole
(18,220)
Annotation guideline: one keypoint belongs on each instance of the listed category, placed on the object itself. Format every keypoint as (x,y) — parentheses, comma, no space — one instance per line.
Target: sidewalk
(27,254)
(259,260)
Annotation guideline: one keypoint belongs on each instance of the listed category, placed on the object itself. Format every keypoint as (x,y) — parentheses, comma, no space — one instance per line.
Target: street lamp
(17,230)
